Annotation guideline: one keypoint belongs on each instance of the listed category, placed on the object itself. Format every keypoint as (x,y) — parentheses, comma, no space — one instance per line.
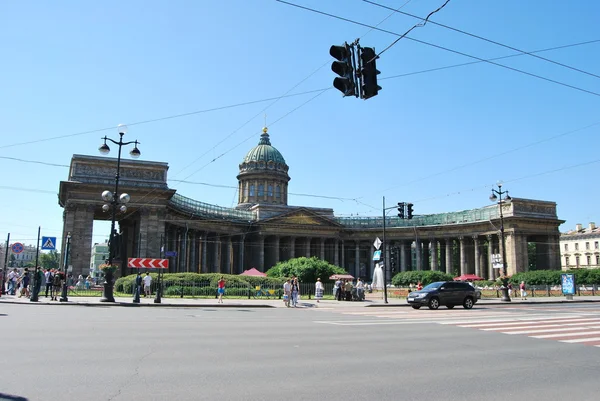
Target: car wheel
(449,306)
(468,303)
(434,303)
(416,306)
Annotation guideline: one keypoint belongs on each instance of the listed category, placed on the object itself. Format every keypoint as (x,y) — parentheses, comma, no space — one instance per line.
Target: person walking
(221,289)
(147,283)
(13,278)
(319,290)
(57,282)
(24,280)
(338,289)
(523,290)
(360,289)
(287,292)
(295,292)
(48,276)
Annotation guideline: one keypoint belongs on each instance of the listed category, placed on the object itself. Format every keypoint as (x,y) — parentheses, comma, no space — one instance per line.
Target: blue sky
(439,139)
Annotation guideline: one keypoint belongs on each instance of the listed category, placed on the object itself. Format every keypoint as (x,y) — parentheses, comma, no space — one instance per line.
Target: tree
(306,269)
(50,260)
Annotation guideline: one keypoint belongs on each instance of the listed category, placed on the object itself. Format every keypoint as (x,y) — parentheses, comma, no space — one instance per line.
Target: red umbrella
(341,277)
(253,272)
(468,277)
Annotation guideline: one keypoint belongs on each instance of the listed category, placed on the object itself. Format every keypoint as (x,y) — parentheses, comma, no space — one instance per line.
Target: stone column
(307,247)
(418,252)
(402,261)
(434,255)
(449,256)
(343,255)
(477,253)
(292,247)
(276,248)
(79,220)
(193,251)
(241,254)
(229,255)
(425,255)
(553,242)
(336,252)
(357,259)
(217,255)
(463,256)
(261,253)
(322,248)
(203,262)
(442,251)
(490,239)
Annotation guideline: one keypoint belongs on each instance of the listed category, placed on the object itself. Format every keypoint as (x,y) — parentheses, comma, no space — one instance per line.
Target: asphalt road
(116,353)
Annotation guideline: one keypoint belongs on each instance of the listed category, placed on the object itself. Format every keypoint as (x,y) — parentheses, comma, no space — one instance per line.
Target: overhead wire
(481,38)
(445,49)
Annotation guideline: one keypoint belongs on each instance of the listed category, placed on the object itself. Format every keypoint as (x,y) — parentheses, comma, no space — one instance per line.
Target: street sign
(377,243)
(497,261)
(377,255)
(48,243)
(171,254)
(148,263)
(17,247)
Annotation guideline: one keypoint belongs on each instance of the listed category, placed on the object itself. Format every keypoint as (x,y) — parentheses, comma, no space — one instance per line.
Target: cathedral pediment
(302,217)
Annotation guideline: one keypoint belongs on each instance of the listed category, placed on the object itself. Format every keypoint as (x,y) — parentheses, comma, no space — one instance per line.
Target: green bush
(306,269)
(403,279)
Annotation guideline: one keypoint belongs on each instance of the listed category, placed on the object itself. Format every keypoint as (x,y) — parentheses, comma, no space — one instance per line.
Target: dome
(264,152)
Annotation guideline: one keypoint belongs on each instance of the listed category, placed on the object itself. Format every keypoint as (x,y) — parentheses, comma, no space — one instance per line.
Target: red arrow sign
(148,263)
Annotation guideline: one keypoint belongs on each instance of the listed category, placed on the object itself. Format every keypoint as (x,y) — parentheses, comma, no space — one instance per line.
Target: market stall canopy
(468,277)
(341,277)
(253,272)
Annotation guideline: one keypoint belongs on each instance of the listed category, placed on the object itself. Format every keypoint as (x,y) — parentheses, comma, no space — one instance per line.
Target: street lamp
(115,202)
(499,192)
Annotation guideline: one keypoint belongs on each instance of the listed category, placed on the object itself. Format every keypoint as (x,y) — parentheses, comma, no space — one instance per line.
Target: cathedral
(263,229)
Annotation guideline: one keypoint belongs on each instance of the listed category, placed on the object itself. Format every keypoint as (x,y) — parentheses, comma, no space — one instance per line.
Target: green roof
(264,151)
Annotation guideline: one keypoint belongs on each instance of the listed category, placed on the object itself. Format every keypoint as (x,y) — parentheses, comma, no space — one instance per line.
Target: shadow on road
(8,397)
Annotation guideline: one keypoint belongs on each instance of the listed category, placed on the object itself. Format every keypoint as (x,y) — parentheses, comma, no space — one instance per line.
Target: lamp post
(113,200)
(499,192)
(65,289)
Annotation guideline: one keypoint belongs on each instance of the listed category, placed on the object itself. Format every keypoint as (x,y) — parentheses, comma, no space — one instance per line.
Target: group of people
(291,292)
(146,281)
(347,290)
(21,284)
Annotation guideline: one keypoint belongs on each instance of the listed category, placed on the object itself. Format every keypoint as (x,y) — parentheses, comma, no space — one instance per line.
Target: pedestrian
(419,286)
(360,289)
(523,290)
(318,290)
(48,276)
(295,292)
(56,285)
(147,283)
(24,281)
(13,278)
(510,288)
(337,287)
(287,292)
(221,289)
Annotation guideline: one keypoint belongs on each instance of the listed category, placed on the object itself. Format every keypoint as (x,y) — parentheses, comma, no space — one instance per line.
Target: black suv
(448,293)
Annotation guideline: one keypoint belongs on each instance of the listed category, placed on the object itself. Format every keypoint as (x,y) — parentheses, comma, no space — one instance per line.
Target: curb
(561,301)
(140,305)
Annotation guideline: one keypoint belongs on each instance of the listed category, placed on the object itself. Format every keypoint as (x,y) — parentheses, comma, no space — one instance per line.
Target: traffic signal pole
(385,262)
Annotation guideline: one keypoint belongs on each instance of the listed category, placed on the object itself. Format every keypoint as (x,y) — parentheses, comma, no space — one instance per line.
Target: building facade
(580,248)
(99,255)
(263,229)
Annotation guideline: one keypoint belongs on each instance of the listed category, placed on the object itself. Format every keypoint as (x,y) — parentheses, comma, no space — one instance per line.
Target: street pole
(36,280)
(63,295)
(157,298)
(3,290)
(385,298)
(493,198)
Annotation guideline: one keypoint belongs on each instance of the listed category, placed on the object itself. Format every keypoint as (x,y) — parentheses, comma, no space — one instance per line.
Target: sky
(195,81)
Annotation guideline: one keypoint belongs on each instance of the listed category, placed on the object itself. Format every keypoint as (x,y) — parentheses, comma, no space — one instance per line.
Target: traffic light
(344,68)
(369,73)
(401,210)
(409,211)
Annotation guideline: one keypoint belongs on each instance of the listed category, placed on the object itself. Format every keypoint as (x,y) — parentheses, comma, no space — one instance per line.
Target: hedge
(306,269)
(404,279)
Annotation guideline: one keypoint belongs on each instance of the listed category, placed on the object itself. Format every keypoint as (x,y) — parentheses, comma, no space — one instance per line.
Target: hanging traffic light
(344,68)
(369,73)
(401,210)
(409,211)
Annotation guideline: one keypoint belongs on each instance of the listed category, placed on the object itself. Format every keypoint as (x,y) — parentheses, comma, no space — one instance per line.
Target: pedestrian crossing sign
(48,243)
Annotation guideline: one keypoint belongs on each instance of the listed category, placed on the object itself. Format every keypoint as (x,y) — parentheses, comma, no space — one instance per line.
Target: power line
(444,48)
(479,37)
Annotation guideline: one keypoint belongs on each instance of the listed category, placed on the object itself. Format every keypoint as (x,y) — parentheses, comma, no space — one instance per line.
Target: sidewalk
(272,303)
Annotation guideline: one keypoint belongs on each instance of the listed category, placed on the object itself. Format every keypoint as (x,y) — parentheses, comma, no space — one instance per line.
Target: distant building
(580,248)
(20,259)
(99,255)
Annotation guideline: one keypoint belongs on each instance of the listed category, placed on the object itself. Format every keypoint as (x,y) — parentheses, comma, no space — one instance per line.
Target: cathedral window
(251,190)
(278,192)
(261,190)
(270,191)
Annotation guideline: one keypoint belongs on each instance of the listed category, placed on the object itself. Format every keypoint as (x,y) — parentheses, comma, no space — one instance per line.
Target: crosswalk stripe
(551,330)
(566,334)
(582,321)
(581,340)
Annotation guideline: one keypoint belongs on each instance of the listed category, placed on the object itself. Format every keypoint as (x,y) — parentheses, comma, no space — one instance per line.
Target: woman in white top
(318,290)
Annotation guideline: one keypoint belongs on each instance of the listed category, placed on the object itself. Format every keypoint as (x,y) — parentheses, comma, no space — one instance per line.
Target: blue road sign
(171,253)
(48,243)
(377,255)
(17,247)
